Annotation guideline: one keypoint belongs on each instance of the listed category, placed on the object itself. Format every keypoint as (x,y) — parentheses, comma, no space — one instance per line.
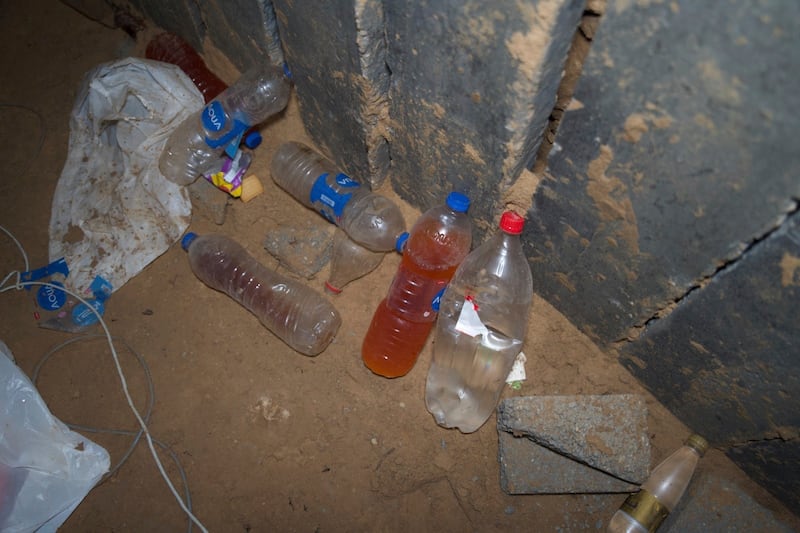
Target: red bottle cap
(512,223)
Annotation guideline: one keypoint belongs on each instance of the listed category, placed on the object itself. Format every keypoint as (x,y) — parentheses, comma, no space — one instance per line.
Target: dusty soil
(269,439)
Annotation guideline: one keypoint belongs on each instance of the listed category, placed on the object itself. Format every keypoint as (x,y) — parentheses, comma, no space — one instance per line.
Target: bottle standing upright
(371,220)
(438,242)
(644,511)
(196,144)
(481,326)
(295,313)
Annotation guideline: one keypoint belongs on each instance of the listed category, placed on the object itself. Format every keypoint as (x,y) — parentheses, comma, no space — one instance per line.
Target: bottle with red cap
(483,316)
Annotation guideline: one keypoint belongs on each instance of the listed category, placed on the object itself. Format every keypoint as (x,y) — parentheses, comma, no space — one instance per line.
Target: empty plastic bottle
(171,48)
(645,510)
(300,316)
(195,145)
(370,219)
(438,242)
(349,261)
(480,329)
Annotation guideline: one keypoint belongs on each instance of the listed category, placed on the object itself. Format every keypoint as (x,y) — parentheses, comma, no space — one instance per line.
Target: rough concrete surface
(608,432)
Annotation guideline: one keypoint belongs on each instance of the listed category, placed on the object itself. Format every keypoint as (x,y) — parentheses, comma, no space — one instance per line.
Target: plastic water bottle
(645,510)
(480,329)
(370,219)
(349,261)
(300,316)
(438,242)
(201,139)
(171,48)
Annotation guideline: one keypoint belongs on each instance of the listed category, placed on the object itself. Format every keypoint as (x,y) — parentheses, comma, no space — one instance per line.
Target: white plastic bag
(113,211)
(46,469)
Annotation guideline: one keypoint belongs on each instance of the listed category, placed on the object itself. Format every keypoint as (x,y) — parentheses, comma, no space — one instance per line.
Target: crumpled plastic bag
(46,469)
(113,211)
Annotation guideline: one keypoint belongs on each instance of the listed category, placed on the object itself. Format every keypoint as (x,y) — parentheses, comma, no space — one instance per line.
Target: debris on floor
(303,250)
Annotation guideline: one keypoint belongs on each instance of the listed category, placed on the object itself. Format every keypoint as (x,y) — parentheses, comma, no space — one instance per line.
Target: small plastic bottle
(349,261)
(645,510)
(370,219)
(195,145)
(297,314)
(483,317)
(438,242)
(171,48)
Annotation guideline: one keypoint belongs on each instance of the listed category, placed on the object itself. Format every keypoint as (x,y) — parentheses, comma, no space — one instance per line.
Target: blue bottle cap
(187,240)
(401,242)
(252,139)
(458,202)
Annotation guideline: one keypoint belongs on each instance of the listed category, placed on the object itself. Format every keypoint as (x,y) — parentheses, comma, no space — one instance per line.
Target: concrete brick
(473,85)
(341,100)
(725,360)
(680,153)
(607,433)
(209,201)
(529,468)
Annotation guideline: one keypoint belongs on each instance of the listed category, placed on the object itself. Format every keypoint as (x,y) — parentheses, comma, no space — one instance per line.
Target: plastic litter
(113,212)
(46,469)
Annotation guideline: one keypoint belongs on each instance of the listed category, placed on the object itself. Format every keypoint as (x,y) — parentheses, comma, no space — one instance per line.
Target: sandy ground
(269,439)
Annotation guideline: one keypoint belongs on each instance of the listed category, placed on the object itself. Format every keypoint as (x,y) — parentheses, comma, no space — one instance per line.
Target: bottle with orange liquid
(438,242)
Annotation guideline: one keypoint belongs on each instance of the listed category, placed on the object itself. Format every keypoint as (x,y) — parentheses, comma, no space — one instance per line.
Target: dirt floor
(270,440)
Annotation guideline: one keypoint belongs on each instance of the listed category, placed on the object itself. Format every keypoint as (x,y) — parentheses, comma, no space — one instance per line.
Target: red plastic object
(171,48)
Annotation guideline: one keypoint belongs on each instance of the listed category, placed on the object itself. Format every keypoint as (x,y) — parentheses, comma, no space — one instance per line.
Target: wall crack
(637,330)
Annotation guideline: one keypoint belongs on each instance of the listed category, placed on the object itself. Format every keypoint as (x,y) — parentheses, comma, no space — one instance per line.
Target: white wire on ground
(19,285)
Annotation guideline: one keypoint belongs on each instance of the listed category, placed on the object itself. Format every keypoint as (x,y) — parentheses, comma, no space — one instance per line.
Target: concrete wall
(666,223)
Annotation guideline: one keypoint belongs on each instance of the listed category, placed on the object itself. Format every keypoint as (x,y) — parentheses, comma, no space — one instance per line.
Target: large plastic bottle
(480,329)
(439,240)
(171,48)
(349,261)
(370,219)
(644,511)
(195,145)
(300,316)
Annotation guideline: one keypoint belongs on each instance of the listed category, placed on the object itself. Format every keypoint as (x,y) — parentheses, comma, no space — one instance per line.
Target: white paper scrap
(468,321)
(518,370)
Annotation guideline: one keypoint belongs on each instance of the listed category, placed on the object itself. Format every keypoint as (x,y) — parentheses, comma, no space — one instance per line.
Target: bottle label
(328,200)
(214,117)
(645,508)
(437,300)
(469,321)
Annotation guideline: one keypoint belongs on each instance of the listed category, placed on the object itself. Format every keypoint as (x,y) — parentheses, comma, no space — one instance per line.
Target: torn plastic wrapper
(113,211)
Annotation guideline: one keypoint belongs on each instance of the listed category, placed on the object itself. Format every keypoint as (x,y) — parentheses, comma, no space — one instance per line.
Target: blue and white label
(328,200)
(437,300)
(214,117)
(83,315)
(51,298)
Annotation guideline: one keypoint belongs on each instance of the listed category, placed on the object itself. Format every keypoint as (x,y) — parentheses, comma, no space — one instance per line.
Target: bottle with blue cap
(219,127)
(439,240)
(370,219)
(298,315)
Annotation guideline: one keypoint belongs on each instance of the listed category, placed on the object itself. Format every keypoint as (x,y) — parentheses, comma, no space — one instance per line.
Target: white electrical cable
(18,285)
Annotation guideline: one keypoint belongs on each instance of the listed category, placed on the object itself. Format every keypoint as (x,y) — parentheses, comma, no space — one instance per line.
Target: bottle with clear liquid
(645,510)
(349,261)
(371,220)
(438,242)
(200,140)
(298,315)
(483,317)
